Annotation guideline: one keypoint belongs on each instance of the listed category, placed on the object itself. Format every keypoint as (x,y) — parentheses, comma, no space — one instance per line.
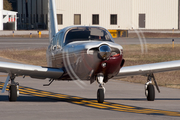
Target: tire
(12,93)
(100,95)
(151,93)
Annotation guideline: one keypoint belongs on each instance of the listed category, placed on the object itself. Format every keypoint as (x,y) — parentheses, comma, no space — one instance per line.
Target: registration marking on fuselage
(93,103)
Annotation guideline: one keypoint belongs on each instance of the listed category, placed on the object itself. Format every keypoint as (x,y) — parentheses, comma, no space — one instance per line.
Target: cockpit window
(87,34)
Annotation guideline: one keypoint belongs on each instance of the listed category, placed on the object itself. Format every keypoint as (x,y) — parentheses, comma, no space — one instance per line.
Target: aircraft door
(58,56)
(59,40)
(52,51)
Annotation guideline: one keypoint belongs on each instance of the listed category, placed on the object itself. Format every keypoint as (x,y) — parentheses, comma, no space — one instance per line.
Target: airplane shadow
(92,103)
(141,99)
(48,97)
(30,98)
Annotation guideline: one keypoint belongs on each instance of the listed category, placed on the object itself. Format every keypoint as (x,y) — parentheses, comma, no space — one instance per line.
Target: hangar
(119,14)
(111,14)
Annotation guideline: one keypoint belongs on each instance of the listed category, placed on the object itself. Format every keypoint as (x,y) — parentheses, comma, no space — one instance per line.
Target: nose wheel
(100,95)
(101,90)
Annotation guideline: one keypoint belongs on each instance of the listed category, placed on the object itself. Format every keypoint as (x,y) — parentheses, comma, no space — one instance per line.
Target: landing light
(104,65)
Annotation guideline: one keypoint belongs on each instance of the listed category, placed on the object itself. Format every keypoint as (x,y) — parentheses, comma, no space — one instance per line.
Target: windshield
(87,34)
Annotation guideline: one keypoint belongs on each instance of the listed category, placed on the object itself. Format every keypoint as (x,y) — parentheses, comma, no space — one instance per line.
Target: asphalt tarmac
(23,43)
(76,100)
(127,41)
(67,101)
(33,43)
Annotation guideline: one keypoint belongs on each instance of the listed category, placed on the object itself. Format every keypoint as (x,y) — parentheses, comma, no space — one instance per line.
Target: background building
(9,20)
(1,14)
(111,14)
(32,14)
(119,14)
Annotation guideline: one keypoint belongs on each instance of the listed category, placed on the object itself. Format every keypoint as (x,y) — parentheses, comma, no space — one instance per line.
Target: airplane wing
(147,69)
(30,70)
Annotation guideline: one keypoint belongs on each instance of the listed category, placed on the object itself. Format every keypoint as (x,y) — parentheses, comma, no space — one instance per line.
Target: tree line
(7,5)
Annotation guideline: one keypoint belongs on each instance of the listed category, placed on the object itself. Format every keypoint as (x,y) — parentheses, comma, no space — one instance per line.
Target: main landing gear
(149,88)
(13,88)
(101,90)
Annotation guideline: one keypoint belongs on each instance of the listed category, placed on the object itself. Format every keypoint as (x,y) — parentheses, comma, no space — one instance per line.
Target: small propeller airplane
(83,53)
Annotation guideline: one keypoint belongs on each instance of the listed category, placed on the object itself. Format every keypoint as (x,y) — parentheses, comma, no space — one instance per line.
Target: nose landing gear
(101,90)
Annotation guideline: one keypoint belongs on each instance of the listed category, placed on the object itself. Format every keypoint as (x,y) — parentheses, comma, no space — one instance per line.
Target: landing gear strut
(101,90)
(149,88)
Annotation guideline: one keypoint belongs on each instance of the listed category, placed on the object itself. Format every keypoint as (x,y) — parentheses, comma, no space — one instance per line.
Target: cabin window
(87,34)
(95,19)
(77,19)
(113,19)
(60,19)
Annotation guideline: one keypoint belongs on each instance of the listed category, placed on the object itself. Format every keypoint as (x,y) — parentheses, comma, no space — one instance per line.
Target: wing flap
(31,70)
(149,68)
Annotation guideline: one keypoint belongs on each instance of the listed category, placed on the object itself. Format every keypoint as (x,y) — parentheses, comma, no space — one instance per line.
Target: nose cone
(104,51)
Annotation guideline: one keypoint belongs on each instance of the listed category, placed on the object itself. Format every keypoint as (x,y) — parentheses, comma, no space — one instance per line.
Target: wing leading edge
(31,70)
(147,69)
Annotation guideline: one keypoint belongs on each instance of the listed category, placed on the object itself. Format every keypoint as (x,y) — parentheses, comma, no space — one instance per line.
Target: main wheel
(100,95)
(150,92)
(12,93)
